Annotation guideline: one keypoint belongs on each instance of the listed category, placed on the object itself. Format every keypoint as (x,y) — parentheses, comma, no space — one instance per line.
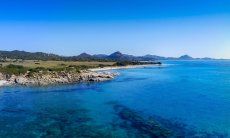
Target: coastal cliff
(52,77)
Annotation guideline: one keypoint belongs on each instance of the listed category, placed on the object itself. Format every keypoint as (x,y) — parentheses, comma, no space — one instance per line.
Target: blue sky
(200,28)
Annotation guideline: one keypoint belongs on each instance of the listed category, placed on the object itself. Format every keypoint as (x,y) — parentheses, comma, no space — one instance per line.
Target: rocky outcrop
(53,77)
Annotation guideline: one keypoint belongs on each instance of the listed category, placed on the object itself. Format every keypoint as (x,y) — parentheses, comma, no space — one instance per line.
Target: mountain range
(116,56)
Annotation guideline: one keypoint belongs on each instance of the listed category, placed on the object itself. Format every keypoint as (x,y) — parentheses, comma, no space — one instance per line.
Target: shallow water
(183,98)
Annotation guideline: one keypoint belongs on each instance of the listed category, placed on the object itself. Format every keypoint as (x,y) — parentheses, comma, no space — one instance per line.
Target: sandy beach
(122,67)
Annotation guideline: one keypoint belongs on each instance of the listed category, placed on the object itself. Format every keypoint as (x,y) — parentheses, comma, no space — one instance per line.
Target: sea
(177,99)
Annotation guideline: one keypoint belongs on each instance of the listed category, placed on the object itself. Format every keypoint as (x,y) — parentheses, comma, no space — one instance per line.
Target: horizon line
(115,52)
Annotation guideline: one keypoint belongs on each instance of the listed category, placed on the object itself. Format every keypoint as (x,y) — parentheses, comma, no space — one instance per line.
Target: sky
(200,28)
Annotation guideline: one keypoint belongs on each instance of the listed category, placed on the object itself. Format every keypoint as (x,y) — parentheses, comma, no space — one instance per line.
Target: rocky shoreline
(52,77)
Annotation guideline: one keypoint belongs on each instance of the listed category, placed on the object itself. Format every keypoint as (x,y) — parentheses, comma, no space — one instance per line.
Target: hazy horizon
(199,28)
(92,54)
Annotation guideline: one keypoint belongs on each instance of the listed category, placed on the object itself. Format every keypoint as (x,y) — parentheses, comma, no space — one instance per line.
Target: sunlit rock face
(57,78)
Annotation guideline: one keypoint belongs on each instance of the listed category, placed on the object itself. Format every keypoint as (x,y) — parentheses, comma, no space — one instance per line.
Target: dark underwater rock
(149,127)
(157,127)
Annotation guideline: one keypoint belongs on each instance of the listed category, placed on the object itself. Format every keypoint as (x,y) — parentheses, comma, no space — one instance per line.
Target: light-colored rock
(57,78)
(12,78)
(1,76)
(21,80)
(4,83)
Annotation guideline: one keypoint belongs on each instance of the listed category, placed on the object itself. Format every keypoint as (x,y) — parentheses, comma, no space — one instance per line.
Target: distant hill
(84,56)
(100,56)
(185,57)
(119,56)
(151,57)
(28,55)
(116,56)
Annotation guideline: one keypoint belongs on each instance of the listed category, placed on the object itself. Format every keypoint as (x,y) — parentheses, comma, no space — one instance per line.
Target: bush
(101,65)
(33,70)
(14,69)
(18,69)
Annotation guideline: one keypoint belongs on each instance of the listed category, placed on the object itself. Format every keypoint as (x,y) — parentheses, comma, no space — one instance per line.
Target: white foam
(3,83)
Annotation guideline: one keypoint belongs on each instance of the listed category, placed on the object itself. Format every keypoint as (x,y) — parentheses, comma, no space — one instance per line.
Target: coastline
(50,78)
(122,67)
(44,79)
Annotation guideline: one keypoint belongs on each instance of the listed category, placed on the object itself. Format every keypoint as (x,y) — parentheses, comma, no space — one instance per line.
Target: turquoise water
(181,98)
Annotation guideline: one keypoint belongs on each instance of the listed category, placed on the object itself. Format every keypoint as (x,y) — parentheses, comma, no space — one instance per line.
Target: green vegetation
(71,68)
(55,64)
(21,67)
(23,55)
(18,67)
(13,69)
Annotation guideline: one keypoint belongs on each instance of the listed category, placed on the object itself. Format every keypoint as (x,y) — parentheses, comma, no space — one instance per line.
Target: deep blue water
(181,98)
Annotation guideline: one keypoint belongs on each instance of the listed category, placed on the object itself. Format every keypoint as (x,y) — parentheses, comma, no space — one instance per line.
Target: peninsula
(40,69)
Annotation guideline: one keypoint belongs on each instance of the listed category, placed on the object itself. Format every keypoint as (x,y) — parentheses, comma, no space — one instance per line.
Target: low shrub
(13,69)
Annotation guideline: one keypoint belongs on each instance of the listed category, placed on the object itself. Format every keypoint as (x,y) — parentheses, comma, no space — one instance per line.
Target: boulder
(12,79)
(21,80)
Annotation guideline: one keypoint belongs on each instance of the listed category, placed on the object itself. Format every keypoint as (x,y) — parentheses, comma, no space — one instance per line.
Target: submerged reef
(148,127)
(77,122)
(50,123)
(157,127)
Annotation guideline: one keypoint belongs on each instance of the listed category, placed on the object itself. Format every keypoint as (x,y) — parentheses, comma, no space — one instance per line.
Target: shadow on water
(155,126)
(50,123)
(58,89)
(131,79)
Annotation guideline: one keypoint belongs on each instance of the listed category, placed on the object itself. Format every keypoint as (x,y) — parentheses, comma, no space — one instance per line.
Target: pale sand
(122,67)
